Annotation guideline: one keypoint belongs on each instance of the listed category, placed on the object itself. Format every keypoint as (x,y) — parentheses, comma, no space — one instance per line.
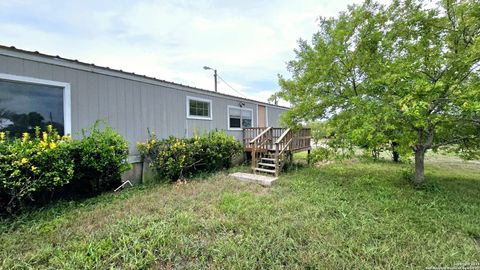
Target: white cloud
(248,42)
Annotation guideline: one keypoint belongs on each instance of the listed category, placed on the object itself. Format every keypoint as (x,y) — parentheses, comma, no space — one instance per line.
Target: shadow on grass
(370,175)
(64,209)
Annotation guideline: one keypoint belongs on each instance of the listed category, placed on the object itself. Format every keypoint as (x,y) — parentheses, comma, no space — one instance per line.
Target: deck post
(308,156)
(276,160)
(254,157)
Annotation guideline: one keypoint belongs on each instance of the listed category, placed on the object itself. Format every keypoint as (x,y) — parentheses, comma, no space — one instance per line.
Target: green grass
(349,215)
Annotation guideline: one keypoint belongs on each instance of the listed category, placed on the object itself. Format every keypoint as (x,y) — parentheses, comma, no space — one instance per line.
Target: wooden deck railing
(277,142)
(251,133)
(263,141)
(289,142)
(301,138)
(277,133)
(283,143)
(293,140)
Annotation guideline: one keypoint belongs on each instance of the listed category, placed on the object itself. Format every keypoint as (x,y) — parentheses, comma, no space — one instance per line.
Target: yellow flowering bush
(31,165)
(174,158)
(35,167)
(169,157)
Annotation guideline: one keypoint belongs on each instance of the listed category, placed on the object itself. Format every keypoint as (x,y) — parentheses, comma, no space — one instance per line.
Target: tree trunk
(419,167)
(395,154)
(375,154)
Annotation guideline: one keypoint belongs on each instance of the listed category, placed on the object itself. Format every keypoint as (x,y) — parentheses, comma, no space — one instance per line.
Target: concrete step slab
(254,178)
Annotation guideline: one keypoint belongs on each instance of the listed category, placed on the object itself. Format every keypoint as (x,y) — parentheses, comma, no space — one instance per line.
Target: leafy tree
(320,131)
(273,99)
(407,74)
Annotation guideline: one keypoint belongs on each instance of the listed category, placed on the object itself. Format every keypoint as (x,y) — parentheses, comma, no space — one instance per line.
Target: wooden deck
(271,147)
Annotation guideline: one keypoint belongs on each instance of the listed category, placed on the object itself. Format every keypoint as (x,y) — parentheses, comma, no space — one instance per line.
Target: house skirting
(142,173)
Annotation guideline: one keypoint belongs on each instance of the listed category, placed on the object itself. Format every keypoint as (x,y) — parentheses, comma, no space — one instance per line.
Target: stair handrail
(287,144)
(282,141)
(260,135)
(279,149)
(254,144)
(251,132)
(279,140)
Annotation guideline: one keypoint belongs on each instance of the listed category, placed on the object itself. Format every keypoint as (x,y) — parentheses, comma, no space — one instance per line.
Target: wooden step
(268,159)
(264,170)
(266,164)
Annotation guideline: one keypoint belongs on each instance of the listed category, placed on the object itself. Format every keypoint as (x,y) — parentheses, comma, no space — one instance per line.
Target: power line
(231,86)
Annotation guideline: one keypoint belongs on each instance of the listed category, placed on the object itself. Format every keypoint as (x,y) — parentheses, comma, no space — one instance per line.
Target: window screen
(24,106)
(235,118)
(246,118)
(239,118)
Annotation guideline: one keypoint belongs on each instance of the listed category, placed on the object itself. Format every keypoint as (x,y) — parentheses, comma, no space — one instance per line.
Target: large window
(199,108)
(239,118)
(26,103)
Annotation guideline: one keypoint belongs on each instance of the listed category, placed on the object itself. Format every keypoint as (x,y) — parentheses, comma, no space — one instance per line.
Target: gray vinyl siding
(129,105)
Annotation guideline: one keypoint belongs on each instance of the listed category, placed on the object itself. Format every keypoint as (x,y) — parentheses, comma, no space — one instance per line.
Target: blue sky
(247,41)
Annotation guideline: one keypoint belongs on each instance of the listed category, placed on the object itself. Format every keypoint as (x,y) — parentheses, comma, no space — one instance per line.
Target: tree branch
(463,138)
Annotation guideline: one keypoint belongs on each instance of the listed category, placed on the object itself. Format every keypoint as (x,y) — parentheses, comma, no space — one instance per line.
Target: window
(239,118)
(26,103)
(198,108)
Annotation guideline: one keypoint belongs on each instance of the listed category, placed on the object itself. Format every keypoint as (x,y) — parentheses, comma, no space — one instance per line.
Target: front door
(262,116)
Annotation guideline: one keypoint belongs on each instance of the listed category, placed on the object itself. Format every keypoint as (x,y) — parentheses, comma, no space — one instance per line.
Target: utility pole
(214,75)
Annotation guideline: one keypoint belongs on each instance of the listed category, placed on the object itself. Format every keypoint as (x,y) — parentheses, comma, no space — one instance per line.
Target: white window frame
(238,108)
(67,98)
(210,110)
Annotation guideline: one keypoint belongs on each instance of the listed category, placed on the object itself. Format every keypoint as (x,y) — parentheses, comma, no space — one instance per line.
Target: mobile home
(37,88)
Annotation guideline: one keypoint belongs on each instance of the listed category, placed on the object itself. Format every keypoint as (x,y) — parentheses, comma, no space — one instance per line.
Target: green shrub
(174,158)
(169,157)
(100,158)
(214,150)
(32,166)
(321,154)
(35,170)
